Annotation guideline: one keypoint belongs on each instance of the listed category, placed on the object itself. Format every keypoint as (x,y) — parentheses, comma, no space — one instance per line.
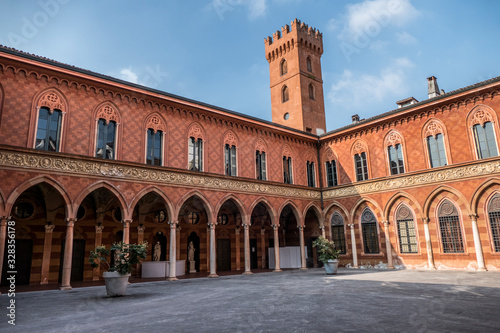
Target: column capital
(322,228)
(300,227)
(126,222)
(212,225)
(98,229)
(70,221)
(173,224)
(473,216)
(262,231)
(276,226)
(386,223)
(4,218)
(141,228)
(246,226)
(351,225)
(49,228)
(425,220)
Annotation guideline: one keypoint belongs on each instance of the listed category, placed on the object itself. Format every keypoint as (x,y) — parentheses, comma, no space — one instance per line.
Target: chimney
(355,119)
(432,87)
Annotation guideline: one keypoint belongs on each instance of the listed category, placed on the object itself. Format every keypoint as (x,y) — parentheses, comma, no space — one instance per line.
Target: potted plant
(126,256)
(328,254)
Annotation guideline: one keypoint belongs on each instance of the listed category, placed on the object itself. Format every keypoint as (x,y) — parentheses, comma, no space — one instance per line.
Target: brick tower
(294,57)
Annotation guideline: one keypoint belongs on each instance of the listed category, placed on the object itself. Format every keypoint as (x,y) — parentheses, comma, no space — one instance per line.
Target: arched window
(484,138)
(195,154)
(449,224)
(154,147)
(312,92)
(311,179)
(106,137)
(309,64)
(284,94)
(287,170)
(369,231)
(283,67)
(230,159)
(338,235)
(494,217)
(406,230)
(437,154)
(395,153)
(331,173)
(48,129)
(260,164)
(361,166)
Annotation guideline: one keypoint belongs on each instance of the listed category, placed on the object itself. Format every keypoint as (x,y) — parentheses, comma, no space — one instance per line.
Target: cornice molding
(448,174)
(115,170)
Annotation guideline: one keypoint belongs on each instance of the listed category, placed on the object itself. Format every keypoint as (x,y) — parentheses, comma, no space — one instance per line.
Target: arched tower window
(309,64)
(284,94)
(283,67)
(406,230)
(494,217)
(369,231)
(312,91)
(449,224)
(338,235)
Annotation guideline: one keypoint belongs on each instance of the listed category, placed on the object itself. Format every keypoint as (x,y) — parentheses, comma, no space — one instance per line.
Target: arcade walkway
(291,301)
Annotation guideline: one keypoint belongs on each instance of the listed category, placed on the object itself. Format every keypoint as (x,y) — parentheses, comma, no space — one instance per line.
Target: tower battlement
(296,34)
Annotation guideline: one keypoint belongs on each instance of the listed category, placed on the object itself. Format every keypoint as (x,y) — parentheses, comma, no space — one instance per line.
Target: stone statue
(157,252)
(191,251)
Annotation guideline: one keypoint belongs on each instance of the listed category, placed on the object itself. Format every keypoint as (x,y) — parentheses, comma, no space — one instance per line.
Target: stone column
(3,237)
(208,249)
(98,242)
(213,264)
(140,240)
(388,246)
(68,255)
(47,251)
(238,254)
(246,240)
(353,244)
(323,233)
(430,255)
(178,238)
(477,244)
(263,246)
(302,250)
(173,250)
(126,231)
(277,266)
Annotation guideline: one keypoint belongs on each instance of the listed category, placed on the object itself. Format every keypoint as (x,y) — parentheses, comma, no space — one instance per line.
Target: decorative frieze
(116,170)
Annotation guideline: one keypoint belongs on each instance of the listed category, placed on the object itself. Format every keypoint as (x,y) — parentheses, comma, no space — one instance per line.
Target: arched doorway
(260,224)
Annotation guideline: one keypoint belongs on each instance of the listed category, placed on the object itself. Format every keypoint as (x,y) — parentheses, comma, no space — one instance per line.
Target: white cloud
(332,25)
(128,75)
(405,38)
(379,45)
(370,16)
(354,90)
(257,8)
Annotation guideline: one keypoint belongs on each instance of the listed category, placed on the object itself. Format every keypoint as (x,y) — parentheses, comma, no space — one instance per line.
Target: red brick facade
(100,201)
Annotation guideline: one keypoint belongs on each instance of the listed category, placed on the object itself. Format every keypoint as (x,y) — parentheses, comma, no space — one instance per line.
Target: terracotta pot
(116,284)
(331,266)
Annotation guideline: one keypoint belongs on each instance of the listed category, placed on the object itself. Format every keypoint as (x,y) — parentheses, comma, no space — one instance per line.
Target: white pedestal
(160,269)
(289,257)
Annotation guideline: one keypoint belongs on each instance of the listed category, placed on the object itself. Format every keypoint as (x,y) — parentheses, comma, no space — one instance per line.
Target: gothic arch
(230,138)
(316,210)
(262,200)
(141,194)
(2,204)
(156,122)
(204,201)
(237,202)
(482,194)
(433,127)
(295,210)
(439,193)
(9,204)
(196,131)
(480,114)
(358,207)
(2,94)
(260,145)
(332,207)
(109,112)
(102,184)
(395,200)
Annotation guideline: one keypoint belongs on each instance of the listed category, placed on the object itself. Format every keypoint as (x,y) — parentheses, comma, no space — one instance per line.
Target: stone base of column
(390,267)
(277,270)
(247,273)
(172,279)
(304,268)
(212,275)
(482,269)
(65,287)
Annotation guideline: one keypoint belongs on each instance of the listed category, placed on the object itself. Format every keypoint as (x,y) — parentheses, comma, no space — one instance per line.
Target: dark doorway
(24,250)
(193,237)
(78,260)
(253,253)
(223,255)
(160,237)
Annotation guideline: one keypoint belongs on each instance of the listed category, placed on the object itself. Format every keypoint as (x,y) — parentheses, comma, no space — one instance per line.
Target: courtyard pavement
(290,301)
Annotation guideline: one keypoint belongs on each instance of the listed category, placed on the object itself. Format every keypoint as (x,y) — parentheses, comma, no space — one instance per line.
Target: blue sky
(375,52)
